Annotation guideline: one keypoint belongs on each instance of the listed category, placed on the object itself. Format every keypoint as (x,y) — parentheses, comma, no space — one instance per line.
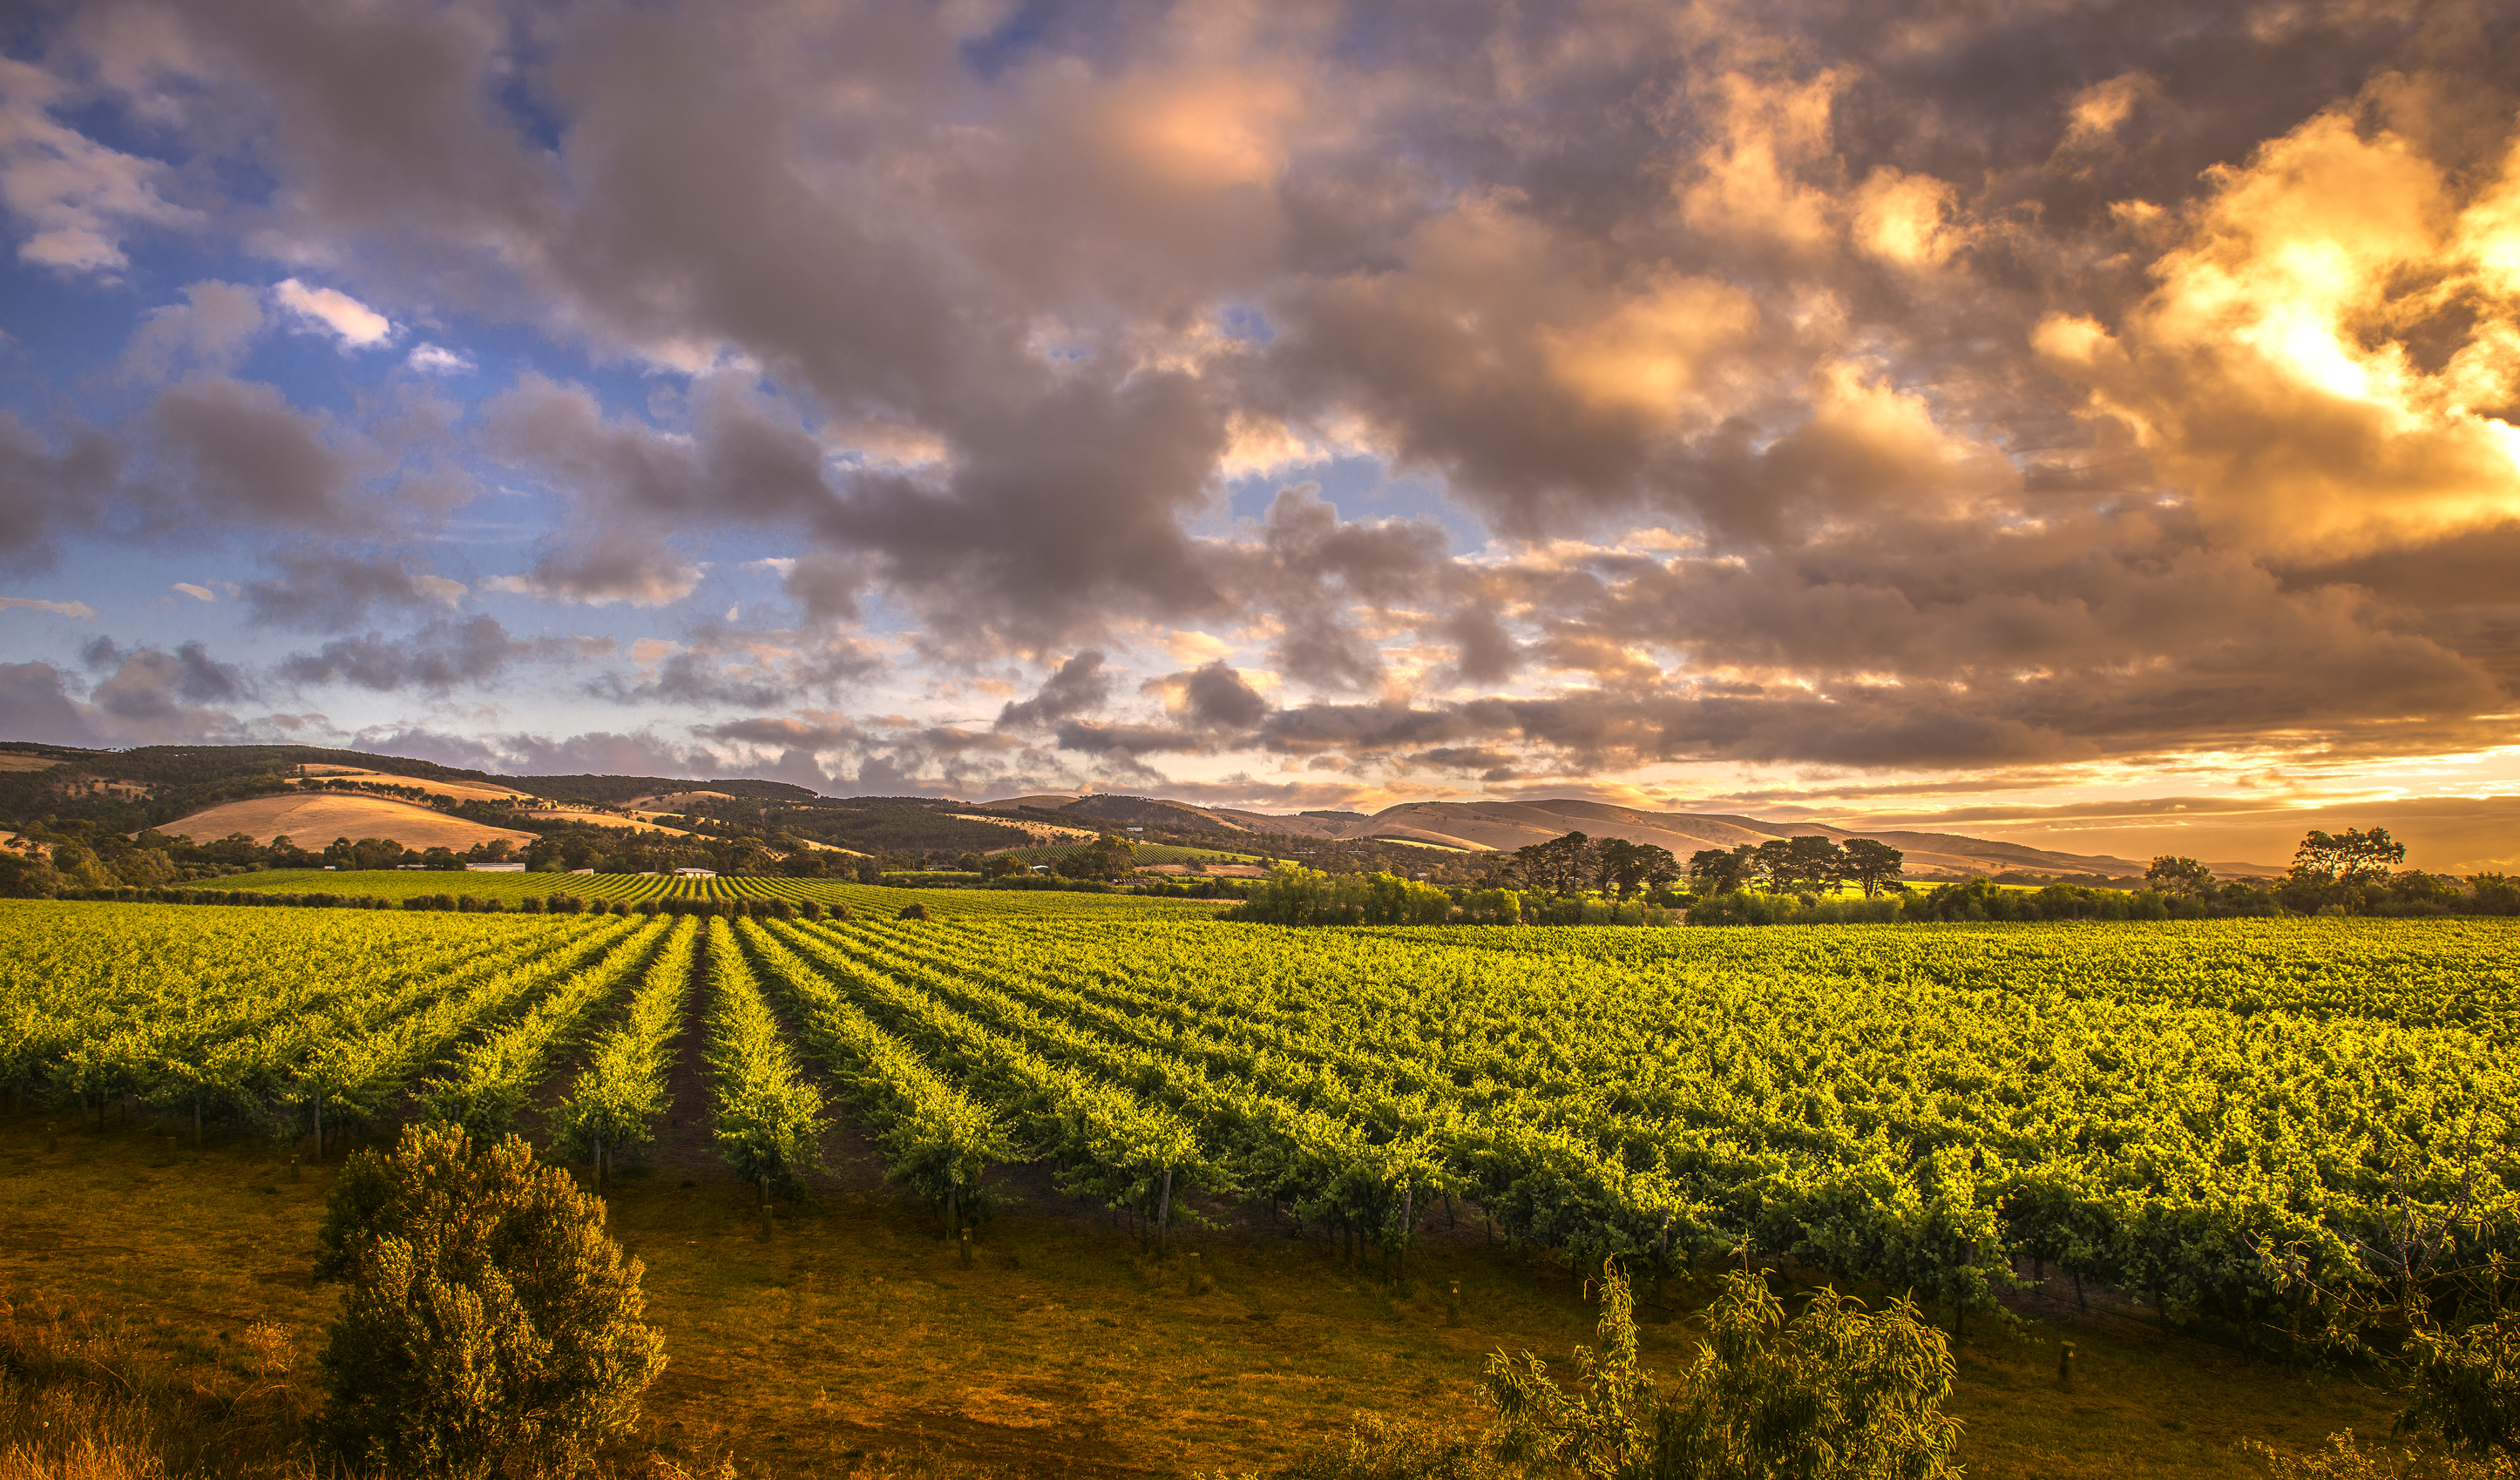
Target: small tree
(490,1323)
(1838,1393)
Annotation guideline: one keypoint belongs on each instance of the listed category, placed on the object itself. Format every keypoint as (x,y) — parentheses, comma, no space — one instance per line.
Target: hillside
(311,819)
(170,787)
(1483,826)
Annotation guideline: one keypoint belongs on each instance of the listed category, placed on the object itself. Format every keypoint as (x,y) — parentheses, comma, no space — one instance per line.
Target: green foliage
(1602,1427)
(935,1139)
(2346,1459)
(1293,895)
(485,1085)
(1378,1448)
(1837,1393)
(768,1122)
(2466,1385)
(618,1098)
(491,1326)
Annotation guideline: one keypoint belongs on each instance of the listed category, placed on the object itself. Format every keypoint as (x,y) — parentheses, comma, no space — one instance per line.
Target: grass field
(853,1339)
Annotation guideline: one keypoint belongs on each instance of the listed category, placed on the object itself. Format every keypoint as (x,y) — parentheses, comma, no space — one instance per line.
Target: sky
(2093,423)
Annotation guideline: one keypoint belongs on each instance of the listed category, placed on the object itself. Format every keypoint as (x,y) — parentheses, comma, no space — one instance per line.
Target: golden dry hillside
(459,790)
(313,819)
(595,818)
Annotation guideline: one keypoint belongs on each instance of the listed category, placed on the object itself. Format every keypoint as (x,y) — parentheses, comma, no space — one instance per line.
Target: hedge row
(554,903)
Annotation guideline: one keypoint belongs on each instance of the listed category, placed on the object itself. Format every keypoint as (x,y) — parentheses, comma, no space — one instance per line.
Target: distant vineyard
(630,888)
(2178,1110)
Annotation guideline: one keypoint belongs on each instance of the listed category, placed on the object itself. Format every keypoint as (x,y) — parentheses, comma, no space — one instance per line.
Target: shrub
(842,914)
(913,912)
(2466,1385)
(490,1326)
(1375,1448)
(1837,1393)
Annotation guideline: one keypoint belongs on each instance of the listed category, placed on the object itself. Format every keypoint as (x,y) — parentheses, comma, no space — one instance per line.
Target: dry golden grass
(607,820)
(855,1342)
(313,819)
(459,790)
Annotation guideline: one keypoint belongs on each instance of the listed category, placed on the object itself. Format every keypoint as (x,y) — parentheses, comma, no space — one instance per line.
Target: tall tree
(1719,870)
(1623,868)
(2347,858)
(1563,865)
(1871,865)
(2174,875)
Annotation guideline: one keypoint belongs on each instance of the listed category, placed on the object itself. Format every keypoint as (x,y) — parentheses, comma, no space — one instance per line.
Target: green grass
(855,1334)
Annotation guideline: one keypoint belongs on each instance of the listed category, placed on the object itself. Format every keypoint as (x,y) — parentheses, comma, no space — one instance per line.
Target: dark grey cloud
(47,493)
(731,668)
(34,706)
(442,655)
(239,452)
(1080,686)
(328,589)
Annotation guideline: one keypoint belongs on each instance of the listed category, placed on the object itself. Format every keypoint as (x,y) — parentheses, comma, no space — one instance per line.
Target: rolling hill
(1482,827)
(312,820)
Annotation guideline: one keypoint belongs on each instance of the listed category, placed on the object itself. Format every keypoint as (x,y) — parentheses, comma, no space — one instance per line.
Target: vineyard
(631,888)
(2177,1111)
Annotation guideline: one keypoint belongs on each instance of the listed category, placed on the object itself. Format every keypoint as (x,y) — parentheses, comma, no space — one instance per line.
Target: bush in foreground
(491,1325)
(1837,1393)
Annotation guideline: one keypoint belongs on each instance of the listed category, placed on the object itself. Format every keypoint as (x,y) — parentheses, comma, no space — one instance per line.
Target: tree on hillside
(2350,858)
(1790,865)
(1871,865)
(1563,865)
(1721,871)
(2174,875)
(1107,857)
(1621,868)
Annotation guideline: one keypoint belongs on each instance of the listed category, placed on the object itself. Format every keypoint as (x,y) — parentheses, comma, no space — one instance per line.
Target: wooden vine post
(1163,1213)
(1407,1222)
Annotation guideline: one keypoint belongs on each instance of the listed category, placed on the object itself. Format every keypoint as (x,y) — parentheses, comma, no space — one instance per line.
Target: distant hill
(162,785)
(1507,826)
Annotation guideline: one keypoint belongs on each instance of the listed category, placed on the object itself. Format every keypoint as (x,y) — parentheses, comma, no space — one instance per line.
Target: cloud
(242,453)
(1885,389)
(723,667)
(150,697)
(326,589)
(78,610)
(1079,686)
(197,593)
(443,656)
(48,495)
(76,196)
(209,329)
(345,318)
(431,359)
